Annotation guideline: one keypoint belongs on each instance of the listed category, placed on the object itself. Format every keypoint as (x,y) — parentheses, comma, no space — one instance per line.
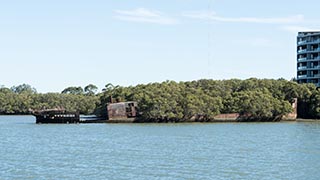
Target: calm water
(158,151)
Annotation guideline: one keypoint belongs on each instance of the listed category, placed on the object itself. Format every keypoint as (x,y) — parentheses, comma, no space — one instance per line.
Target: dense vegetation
(23,98)
(178,101)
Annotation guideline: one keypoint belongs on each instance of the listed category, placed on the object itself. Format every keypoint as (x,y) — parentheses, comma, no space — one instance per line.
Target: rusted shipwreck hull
(122,112)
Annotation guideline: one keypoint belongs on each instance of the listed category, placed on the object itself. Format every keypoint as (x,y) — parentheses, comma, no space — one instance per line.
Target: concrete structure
(308,57)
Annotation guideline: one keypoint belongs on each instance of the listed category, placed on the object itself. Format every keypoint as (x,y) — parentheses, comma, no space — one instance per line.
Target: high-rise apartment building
(308,57)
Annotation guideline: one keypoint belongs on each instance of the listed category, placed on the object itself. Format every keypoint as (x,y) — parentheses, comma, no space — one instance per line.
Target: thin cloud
(261,42)
(142,15)
(256,42)
(212,16)
(296,29)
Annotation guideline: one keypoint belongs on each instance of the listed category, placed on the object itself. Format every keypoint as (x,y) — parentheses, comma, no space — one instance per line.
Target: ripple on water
(158,151)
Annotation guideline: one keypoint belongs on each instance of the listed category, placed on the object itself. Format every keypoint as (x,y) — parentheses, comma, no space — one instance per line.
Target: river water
(158,151)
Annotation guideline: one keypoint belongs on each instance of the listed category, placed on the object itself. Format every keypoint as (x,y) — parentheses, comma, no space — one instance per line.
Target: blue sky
(56,44)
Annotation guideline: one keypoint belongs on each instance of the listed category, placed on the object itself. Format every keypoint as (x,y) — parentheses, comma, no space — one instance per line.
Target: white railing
(318,49)
(315,67)
(309,41)
(315,58)
(302,59)
(302,42)
(302,76)
(302,67)
(302,50)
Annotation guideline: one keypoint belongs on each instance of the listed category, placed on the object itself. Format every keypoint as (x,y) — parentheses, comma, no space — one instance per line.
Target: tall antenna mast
(209,38)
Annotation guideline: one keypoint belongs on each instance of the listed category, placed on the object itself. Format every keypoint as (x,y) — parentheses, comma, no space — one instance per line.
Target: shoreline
(190,121)
(307,120)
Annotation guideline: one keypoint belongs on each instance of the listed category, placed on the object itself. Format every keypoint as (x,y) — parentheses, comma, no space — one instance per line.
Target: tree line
(23,98)
(176,101)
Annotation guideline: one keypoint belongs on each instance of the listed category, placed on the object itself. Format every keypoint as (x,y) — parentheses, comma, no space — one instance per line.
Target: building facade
(308,57)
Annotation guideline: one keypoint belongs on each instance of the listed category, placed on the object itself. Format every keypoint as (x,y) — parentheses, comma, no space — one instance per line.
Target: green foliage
(169,100)
(175,101)
(261,105)
(23,98)
(90,89)
(23,88)
(73,90)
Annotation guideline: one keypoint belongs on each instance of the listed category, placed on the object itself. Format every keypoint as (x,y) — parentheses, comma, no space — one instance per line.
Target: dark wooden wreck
(120,112)
(56,116)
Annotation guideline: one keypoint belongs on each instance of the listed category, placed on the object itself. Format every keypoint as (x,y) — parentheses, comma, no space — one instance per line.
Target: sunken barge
(122,112)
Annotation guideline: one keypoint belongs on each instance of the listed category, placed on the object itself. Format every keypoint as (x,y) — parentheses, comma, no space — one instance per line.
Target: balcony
(315,41)
(315,58)
(308,34)
(302,42)
(317,49)
(316,75)
(302,76)
(309,41)
(302,50)
(314,67)
(302,67)
(302,59)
